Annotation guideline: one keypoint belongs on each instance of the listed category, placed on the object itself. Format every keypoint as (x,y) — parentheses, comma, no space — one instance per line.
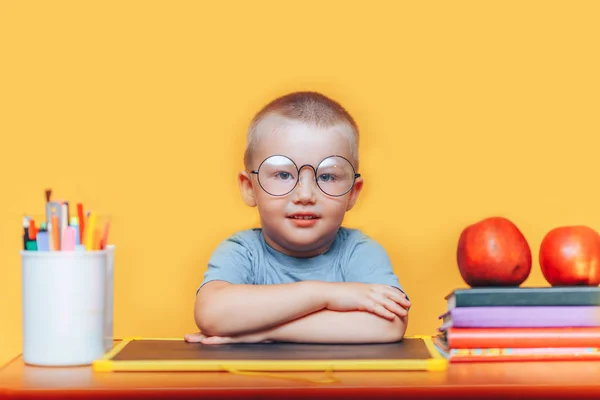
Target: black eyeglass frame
(355,175)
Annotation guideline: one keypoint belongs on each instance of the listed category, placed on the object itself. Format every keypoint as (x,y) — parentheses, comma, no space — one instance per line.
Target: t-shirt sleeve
(369,263)
(231,261)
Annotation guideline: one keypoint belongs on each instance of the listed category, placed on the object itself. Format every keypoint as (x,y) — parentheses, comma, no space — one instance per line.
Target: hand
(250,338)
(383,300)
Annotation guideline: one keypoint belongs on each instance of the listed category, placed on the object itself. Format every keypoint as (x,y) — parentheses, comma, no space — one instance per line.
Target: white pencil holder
(109,303)
(65,310)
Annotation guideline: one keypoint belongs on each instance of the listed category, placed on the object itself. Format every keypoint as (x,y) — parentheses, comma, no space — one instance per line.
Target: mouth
(303,216)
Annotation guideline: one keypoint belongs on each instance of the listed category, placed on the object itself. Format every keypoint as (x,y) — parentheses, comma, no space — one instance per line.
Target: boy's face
(284,218)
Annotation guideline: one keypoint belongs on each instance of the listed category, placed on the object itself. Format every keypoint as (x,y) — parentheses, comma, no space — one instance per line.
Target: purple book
(521,317)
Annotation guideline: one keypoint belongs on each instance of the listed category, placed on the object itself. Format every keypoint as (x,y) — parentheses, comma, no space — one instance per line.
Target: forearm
(229,310)
(340,327)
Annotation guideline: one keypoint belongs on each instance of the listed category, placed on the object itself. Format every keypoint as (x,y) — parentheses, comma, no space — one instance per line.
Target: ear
(246,188)
(358,184)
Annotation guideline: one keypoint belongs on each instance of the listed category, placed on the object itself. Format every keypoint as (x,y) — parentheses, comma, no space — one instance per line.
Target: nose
(305,190)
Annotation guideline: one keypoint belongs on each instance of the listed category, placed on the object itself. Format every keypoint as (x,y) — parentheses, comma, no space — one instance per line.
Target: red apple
(493,252)
(570,256)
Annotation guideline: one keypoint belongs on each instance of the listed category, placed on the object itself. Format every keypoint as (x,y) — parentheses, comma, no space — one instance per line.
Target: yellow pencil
(89,232)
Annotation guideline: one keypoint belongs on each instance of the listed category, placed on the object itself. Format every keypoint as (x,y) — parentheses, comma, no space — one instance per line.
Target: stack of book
(521,324)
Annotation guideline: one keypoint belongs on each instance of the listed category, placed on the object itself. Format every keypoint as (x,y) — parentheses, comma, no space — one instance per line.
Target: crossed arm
(309,311)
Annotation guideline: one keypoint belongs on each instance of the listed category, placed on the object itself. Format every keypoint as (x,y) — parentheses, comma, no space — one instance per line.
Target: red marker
(32,230)
(81,222)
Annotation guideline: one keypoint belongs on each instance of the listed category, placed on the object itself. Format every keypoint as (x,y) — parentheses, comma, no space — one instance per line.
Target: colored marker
(97,239)
(32,230)
(75,224)
(42,241)
(53,209)
(55,233)
(64,222)
(50,241)
(25,232)
(81,222)
(66,203)
(68,239)
(104,240)
(89,232)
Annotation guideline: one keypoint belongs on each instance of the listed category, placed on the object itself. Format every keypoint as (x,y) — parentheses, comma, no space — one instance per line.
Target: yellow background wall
(467,108)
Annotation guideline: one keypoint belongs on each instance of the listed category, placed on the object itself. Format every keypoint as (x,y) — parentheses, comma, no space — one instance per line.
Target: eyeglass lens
(278,175)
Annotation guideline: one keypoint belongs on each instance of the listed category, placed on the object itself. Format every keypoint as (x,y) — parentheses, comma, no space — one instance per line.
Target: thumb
(194,337)
(217,340)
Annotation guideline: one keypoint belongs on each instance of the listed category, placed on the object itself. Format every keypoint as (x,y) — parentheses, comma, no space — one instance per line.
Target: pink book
(521,316)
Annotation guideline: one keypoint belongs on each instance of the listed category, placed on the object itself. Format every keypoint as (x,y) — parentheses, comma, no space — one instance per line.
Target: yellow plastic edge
(278,366)
(105,363)
(437,362)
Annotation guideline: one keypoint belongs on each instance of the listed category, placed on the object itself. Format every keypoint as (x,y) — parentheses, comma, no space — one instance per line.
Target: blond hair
(306,107)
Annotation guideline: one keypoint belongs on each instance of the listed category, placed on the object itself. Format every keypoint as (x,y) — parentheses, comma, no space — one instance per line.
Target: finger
(380,310)
(394,307)
(395,292)
(373,305)
(398,296)
(194,337)
(397,308)
(217,340)
(389,304)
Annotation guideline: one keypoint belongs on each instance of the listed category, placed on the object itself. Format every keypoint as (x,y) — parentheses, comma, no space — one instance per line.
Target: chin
(305,243)
(300,244)
(296,243)
(300,240)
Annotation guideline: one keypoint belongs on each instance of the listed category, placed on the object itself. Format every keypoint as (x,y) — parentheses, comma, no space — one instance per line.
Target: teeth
(303,217)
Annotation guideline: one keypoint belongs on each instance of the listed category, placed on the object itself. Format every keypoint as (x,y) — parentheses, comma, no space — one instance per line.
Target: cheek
(268,205)
(335,207)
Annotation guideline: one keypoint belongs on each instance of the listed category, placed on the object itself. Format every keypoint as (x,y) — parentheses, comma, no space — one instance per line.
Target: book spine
(526,299)
(541,354)
(525,317)
(522,338)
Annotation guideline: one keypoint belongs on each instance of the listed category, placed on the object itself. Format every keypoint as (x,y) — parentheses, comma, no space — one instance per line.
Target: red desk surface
(477,380)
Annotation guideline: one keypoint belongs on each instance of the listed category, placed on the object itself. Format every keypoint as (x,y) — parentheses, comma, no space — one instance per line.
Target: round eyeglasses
(278,175)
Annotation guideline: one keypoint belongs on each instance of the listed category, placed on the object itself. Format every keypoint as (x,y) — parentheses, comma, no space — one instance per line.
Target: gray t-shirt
(245,258)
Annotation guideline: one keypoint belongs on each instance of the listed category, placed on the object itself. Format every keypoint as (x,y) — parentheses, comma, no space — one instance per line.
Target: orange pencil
(97,239)
(104,240)
(55,233)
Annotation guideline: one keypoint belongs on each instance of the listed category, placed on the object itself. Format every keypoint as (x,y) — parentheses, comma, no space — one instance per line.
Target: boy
(301,277)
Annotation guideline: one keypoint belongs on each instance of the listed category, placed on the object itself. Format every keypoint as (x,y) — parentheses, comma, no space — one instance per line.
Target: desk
(483,380)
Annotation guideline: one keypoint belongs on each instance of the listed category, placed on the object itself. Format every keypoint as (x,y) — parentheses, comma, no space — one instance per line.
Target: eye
(283,175)
(327,178)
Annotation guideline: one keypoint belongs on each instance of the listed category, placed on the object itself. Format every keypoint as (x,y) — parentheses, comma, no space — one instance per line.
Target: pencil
(55,233)
(81,222)
(97,239)
(89,232)
(104,240)
(32,230)
(64,222)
